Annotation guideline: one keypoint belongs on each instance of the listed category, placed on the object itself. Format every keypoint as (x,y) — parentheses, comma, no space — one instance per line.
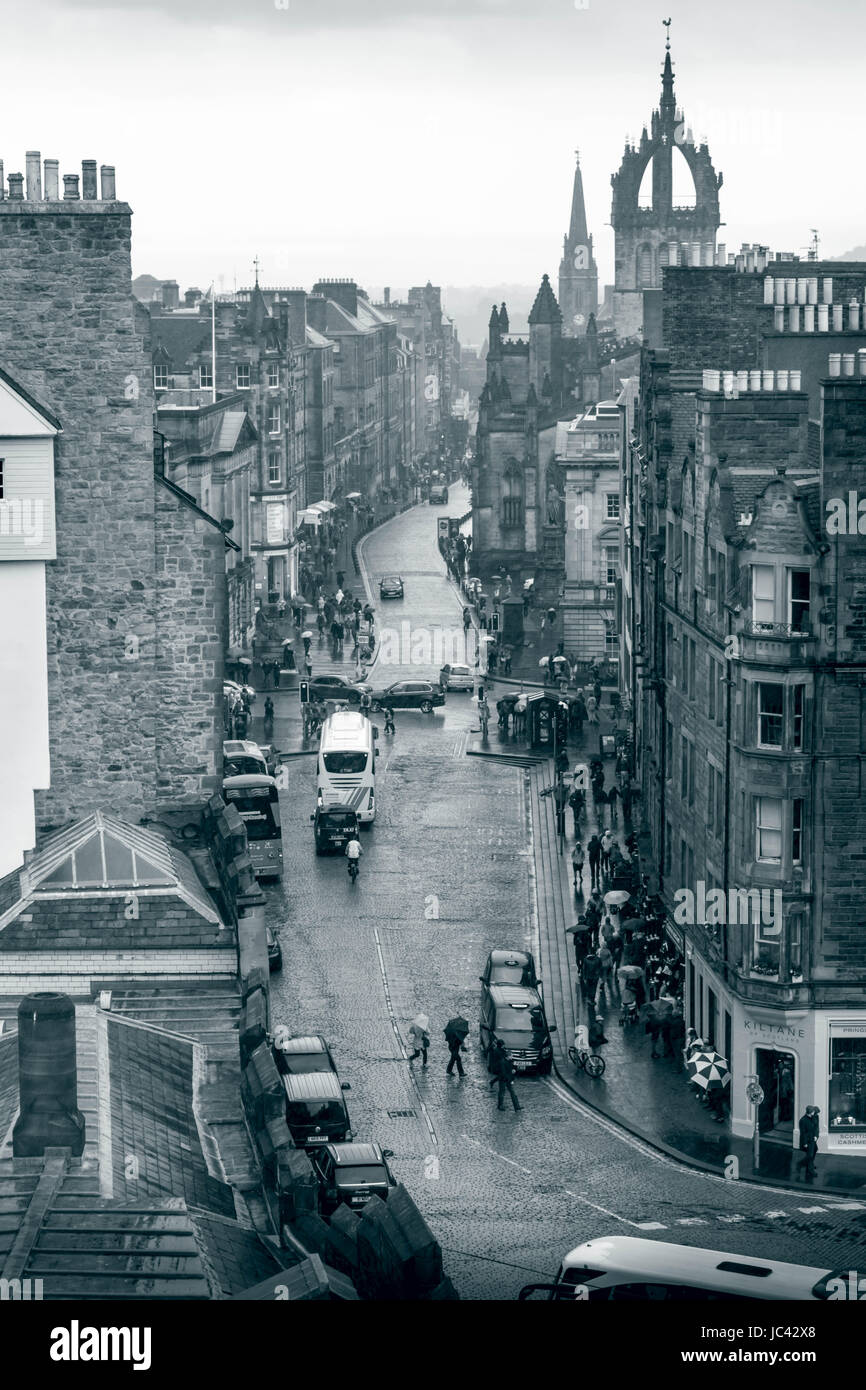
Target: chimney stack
(49,1116)
(107,174)
(88,179)
(33,163)
(52,180)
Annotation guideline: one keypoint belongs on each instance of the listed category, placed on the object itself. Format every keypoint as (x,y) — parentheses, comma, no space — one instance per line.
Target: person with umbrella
(710,1074)
(503,1074)
(654,1015)
(581,933)
(306,638)
(456,1031)
(421,1038)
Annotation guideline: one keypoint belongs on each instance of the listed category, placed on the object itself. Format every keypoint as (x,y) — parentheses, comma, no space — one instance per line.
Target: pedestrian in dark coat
(596,690)
(593,850)
(809,1128)
(590,974)
(503,1075)
(455,1047)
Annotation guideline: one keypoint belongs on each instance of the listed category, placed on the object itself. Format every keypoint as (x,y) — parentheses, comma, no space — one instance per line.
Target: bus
(347,764)
(258,803)
(632,1269)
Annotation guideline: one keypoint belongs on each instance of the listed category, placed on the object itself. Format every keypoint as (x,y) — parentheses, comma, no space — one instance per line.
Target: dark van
(334,827)
(315,1109)
(438,494)
(515,1014)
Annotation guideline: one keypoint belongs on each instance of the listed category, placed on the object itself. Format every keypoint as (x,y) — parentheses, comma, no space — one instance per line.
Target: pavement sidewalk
(651,1099)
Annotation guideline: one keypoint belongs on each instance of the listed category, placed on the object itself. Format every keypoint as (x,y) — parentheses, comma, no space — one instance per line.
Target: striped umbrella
(709,1071)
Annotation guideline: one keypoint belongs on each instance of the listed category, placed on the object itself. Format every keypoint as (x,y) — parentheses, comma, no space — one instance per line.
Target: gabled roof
(21,414)
(545,309)
(228,432)
(101,853)
(316,339)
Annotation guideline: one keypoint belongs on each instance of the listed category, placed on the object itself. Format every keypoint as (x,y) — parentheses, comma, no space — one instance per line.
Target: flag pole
(213,341)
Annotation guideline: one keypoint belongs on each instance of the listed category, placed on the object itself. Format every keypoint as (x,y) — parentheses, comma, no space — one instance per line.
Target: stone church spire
(578,272)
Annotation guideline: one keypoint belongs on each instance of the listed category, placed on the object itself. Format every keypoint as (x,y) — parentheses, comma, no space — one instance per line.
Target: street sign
(755,1093)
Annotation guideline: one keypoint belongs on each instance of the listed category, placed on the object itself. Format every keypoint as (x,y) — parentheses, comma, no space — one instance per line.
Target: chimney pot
(780,290)
(742,381)
(791,291)
(795,380)
(782,379)
(835,364)
(848,364)
(827,289)
(779,318)
(108,193)
(854,314)
(802,291)
(70,186)
(823,317)
(52,180)
(837,318)
(88,179)
(794,318)
(755,379)
(768,289)
(16,187)
(33,164)
(808,318)
(768,379)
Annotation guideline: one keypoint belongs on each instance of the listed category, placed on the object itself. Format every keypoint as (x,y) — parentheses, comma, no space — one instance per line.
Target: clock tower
(578,272)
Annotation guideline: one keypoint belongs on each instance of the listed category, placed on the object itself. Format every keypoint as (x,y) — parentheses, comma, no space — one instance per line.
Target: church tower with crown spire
(655,223)
(578,272)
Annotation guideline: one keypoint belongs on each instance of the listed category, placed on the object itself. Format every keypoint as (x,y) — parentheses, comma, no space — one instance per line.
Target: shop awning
(310,517)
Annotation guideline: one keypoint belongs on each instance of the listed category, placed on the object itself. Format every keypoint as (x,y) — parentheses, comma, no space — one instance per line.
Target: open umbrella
(421,1021)
(545,661)
(709,1071)
(287,642)
(616,898)
(457,1027)
(244,661)
(306,634)
(630,972)
(657,1009)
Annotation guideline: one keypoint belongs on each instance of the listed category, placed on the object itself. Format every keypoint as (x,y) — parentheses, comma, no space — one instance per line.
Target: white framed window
(798,600)
(274,418)
(768,830)
(205,376)
(274,466)
(612,501)
(160,378)
(2,480)
(610,564)
(763,596)
(771,704)
(242,376)
(273,375)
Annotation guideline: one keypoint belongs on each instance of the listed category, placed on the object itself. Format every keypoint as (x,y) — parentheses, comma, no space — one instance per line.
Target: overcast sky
(400,140)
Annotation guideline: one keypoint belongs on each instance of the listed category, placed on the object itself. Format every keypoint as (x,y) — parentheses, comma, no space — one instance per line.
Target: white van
(629,1269)
(347,764)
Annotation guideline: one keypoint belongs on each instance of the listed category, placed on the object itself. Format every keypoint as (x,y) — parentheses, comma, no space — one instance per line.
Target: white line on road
(528,1171)
(428,1122)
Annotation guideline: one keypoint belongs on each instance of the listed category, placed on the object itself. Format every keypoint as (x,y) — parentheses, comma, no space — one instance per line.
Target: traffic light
(304,692)
(494,622)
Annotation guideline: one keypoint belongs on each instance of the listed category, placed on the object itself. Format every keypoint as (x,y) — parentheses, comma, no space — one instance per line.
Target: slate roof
(181,337)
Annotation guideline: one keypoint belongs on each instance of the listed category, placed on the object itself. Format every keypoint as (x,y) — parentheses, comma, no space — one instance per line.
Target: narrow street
(453,867)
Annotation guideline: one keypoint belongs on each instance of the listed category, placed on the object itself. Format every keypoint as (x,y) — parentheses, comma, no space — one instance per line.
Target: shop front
(846,1100)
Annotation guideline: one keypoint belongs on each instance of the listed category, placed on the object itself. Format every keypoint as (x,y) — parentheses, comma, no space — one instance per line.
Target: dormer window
(160,377)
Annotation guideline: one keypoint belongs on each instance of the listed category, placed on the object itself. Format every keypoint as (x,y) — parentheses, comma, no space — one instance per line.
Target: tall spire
(667,102)
(577,232)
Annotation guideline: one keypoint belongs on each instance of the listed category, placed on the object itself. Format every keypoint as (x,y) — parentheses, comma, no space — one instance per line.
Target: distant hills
(858,254)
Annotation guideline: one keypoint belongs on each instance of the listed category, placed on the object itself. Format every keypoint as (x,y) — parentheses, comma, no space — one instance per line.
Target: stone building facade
(745,647)
(518,509)
(78,344)
(587,452)
(666,227)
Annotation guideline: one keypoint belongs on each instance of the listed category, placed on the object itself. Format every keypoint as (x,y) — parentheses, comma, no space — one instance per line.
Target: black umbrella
(457,1027)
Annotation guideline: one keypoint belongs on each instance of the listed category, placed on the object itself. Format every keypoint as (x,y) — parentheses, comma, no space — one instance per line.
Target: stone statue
(555,507)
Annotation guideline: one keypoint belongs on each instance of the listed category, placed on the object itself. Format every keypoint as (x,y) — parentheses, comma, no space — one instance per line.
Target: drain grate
(401,1114)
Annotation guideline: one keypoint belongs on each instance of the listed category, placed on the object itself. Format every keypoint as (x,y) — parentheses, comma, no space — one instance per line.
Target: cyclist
(353,854)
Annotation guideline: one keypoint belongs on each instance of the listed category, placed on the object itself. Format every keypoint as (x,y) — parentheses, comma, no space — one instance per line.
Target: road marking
(509,1161)
(528,1171)
(690,1221)
(650,1226)
(771,1215)
(809,1211)
(731,1219)
(390,1006)
(847,1206)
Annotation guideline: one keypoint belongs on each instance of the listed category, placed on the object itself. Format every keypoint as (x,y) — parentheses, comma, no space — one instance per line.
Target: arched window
(512,495)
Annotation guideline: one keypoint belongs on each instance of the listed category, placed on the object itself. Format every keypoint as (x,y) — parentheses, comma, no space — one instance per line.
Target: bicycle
(353,870)
(591,1062)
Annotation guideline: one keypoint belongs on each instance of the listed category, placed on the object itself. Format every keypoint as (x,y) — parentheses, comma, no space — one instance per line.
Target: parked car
(438,494)
(409,695)
(391,586)
(334,826)
(306,1053)
(510,968)
(352,1174)
(275,952)
(457,678)
(315,1109)
(333,687)
(515,1014)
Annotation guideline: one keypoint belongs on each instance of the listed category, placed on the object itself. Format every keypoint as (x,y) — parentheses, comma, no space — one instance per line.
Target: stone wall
(91,923)
(134,622)
(710,317)
(67,333)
